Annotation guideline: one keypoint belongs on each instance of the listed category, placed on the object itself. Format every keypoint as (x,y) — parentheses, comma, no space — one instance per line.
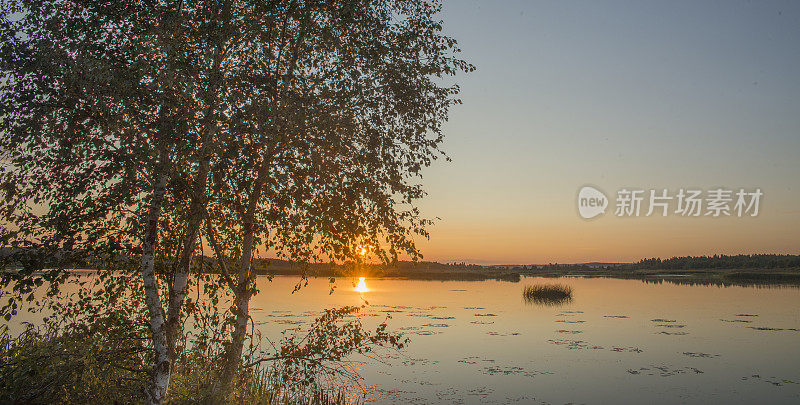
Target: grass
(547,294)
(48,366)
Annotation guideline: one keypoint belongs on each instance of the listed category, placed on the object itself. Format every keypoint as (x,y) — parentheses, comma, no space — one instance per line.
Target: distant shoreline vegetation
(717,269)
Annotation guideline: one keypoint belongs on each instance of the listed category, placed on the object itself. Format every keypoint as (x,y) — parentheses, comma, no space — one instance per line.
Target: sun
(362,250)
(362,286)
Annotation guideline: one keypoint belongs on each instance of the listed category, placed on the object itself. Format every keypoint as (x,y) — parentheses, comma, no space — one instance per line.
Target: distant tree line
(755,261)
(762,261)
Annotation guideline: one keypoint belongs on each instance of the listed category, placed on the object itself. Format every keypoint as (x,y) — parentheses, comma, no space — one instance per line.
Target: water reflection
(362,285)
(616,341)
(658,339)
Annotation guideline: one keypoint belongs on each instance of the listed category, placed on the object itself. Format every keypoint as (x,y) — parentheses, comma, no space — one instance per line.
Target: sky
(635,95)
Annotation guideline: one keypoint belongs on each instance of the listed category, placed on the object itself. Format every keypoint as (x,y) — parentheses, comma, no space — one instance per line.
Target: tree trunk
(157,389)
(197,207)
(177,291)
(242,292)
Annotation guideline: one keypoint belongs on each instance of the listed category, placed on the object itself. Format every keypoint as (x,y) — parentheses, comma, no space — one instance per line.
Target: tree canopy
(153,130)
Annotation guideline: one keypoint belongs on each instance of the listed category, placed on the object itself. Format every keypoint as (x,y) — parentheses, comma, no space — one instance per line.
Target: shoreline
(438,272)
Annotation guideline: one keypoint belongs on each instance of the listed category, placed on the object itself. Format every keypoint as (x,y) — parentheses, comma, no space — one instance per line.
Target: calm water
(618,341)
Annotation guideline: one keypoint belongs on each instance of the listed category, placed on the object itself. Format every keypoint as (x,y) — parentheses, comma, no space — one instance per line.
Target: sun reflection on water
(362,286)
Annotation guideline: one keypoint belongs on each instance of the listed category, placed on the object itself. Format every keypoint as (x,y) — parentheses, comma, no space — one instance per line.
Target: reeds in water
(547,294)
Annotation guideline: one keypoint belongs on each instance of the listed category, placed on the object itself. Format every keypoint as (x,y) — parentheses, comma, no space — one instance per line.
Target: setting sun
(362,286)
(362,250)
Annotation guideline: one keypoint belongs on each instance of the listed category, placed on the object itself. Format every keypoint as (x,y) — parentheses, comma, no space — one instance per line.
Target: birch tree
(299,127)
(109,115)
(346,108)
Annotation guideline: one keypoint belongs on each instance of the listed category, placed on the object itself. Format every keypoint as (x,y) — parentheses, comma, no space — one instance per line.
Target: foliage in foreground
(78,364)
(106,362)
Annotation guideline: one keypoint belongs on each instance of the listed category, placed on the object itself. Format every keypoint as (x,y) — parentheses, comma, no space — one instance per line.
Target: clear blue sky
(617,94)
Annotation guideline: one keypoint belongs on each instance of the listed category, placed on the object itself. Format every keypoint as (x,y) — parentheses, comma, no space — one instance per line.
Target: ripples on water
(616,341)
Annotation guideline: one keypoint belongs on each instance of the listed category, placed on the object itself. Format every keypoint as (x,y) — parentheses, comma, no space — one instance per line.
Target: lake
(617,341)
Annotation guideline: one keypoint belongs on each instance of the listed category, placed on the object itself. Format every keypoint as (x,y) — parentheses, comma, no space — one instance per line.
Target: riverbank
(743,270)
(467,272)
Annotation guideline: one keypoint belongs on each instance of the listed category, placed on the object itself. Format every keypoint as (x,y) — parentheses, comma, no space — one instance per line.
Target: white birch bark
(157,389)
